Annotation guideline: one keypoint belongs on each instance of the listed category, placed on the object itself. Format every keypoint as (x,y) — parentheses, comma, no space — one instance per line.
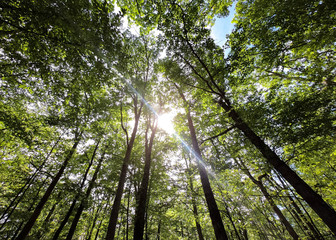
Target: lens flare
(165,122)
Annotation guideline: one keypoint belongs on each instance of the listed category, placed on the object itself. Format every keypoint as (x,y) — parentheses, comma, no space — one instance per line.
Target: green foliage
(68,67)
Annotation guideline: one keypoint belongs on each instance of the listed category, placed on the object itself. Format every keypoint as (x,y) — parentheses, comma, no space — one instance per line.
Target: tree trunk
(226,200)
(262,188)
(26,229)
(127,210)
(98,230)
(117,200)
(215,216)
(315,201)
(99,208)
(194,205)
(317,235)
(158,231)
(198,225)
(35,198)
(139,221)
(45,225)
(24,189)
(66,218)
(87,195)
(282,218)
(73,204)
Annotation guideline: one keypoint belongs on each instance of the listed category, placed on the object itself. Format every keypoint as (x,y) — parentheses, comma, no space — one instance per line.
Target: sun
(165,122)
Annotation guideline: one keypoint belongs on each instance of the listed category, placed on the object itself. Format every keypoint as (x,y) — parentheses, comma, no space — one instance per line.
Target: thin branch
(220,134)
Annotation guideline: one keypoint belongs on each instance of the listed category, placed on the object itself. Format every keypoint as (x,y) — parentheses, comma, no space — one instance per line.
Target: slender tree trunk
(147,219)
(273,230)
(103,209)
(66,218)
(159,230)
(298,219)
(35,198)
(245,234)
(262,188)
(45,225)
(117,200)
(87,195)
(182,234)
(127,210)
(315,201)
(139,221)
(317,235)
(198,225)
(282,218)
(73,204)
(98,230)
(51,212)
(227,211)
(260,230)
(26,229)
(24,189)
(215,216)
(88,236)
(193,201)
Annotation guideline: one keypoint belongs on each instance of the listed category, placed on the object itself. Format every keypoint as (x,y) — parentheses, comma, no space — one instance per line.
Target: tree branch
(218,135)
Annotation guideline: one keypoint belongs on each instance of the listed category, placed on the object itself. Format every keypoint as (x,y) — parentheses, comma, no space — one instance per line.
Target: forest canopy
(161,133)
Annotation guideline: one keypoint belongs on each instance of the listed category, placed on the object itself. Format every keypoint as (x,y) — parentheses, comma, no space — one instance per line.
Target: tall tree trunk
(98,230)
(317,235)
(215,216)
(99,208)
(127,210)
(45,225)
(227,199)
(198,225)
(139,221)
(193,201)
(73,204)
(87,195)
(227,211)
(117,200)
(8,211)
(66,218)
(314,200)
(262,188)
(103,209)
(26,229)
(159,230)
(35,198)
(147,219)
(282,218)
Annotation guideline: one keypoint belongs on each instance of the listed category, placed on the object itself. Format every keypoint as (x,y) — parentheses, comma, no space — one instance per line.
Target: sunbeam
(166,122)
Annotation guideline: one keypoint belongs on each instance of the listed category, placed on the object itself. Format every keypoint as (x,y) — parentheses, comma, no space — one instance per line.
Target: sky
(222,27)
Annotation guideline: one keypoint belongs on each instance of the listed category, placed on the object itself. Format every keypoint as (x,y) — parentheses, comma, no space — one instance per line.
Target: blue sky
(222,27)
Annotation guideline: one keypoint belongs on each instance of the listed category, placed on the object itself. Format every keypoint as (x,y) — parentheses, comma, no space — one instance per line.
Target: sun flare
(165,122)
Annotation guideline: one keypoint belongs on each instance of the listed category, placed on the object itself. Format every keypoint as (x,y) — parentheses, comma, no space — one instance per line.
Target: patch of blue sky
(223,26)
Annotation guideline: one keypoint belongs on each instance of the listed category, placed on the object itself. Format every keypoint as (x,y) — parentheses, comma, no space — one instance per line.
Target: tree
(139,222)
(211,202)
